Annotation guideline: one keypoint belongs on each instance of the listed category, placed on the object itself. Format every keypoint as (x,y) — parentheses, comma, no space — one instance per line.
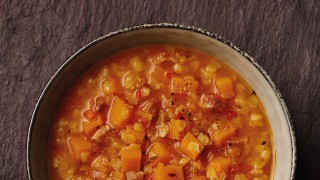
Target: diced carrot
(220,164)
(184,85)
(222,132)
(190,146)
(158,73)
(111,86)
(160,153)
(169,75)
(225,86)
(89,127)
(132,134)
(199,178)
(131,158)
(177,129)
(170,172)
(78,147)
(119,113)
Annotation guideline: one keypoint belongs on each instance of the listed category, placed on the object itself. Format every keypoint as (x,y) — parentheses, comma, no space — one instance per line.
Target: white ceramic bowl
(240,61)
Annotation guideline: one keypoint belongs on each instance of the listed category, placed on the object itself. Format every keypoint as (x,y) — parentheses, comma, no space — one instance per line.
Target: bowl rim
(173,26)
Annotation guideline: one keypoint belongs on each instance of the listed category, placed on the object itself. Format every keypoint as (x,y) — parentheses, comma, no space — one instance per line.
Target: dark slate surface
(38,36)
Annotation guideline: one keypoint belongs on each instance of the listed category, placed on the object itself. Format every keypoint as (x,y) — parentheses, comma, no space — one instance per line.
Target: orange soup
(161,112)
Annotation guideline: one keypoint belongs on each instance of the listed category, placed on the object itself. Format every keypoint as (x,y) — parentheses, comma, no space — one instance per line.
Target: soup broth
(161,112)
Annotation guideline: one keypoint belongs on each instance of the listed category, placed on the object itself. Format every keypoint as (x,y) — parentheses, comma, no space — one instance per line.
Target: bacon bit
(179,115)
(165,54)
(169,74)
(144,122)
(138,94)
(149,177)
(100,100)
(232,114)
(88,114)
(234,169)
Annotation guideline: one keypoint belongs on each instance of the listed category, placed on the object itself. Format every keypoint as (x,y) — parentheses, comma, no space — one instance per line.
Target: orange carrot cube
(225,86)
(220,164)
(177,129)
(158,73)
(160,152)
(78,146)
(89,127)
(190,146)
(131,158)
(119,113)
(222,132)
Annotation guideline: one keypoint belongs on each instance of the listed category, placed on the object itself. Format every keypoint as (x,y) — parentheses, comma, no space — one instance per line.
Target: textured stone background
(36,37)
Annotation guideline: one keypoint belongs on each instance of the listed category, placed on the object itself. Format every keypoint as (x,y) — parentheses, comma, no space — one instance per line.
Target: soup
(161,112)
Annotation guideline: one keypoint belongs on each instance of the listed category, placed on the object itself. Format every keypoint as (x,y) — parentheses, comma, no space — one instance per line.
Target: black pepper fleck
(172,175)
(253,92)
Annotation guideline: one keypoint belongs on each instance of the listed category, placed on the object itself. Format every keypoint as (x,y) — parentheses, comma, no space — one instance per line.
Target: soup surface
(161,112)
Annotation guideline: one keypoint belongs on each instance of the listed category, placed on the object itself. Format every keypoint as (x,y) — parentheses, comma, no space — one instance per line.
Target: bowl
(240,61)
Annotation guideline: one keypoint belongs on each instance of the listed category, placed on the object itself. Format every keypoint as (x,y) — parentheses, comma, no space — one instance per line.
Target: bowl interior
(101,48)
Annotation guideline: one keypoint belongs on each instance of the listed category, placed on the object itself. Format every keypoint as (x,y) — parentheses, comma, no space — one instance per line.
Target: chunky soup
(161,112)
